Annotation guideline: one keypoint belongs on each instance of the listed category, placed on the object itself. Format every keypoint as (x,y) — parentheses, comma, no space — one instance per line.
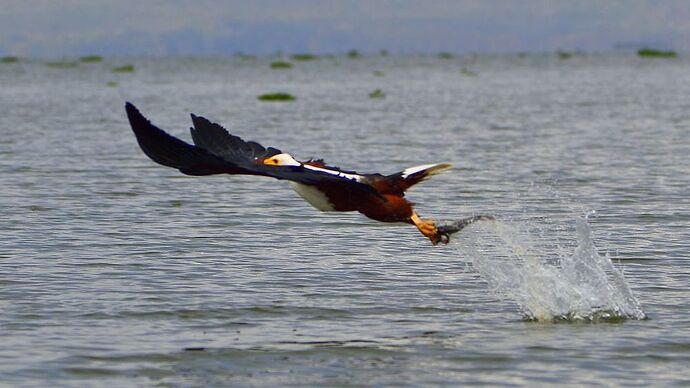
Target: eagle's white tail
(413,175)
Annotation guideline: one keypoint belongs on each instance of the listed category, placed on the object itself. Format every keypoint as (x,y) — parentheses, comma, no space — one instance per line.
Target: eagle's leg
(428,228)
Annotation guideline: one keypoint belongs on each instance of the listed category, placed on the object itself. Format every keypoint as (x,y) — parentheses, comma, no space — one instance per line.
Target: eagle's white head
(281,160)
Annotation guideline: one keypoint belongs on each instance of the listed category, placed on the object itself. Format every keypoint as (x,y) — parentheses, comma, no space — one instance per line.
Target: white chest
(313,196)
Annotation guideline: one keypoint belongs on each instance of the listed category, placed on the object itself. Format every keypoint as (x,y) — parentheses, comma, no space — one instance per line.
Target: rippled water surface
(115,270)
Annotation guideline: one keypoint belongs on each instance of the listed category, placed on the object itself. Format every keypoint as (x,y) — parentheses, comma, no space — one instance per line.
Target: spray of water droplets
(550,279)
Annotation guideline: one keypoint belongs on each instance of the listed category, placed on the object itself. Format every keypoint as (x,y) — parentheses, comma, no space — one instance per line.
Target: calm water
(115,270)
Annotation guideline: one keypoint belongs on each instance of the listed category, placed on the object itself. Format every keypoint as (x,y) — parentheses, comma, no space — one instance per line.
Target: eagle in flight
(215,151)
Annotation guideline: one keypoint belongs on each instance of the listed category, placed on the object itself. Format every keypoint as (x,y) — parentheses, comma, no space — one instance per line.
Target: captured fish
(445,231)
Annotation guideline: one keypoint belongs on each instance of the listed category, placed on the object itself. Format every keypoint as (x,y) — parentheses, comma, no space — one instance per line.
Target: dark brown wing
(216,140)
(190,159)
(218,152)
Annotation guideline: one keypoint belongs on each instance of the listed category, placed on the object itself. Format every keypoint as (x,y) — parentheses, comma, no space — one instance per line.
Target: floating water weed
(353,54)
(304,57)
(564,55)
(467,72)
(652,53)
(281,65)
(91,58)
(377,93)
(129,68)
(445,55)
(276,97)
(9,59)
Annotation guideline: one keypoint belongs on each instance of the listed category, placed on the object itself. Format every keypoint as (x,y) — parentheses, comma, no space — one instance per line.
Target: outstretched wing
(217,141)
(218,152)
(249,155)
(170,151)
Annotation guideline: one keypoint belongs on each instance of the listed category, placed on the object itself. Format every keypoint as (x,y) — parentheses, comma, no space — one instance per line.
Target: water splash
(550,280)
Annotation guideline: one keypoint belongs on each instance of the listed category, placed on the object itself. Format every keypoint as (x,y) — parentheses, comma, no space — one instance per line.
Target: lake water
(115,270)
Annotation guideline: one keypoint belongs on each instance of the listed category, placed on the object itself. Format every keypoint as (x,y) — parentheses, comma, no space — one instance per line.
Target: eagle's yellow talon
(427,228)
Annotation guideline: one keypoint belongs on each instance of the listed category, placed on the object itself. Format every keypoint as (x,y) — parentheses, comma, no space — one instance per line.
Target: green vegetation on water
(353,54)
(564,55)
(445,55)
(276,97)
(91,58)
(111,84)
(123,69)
(281,65)
(379,73)
(62,64)
(652,53)
(304,57)
(467,72)
(383,53)
(9,59)
(377,93)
